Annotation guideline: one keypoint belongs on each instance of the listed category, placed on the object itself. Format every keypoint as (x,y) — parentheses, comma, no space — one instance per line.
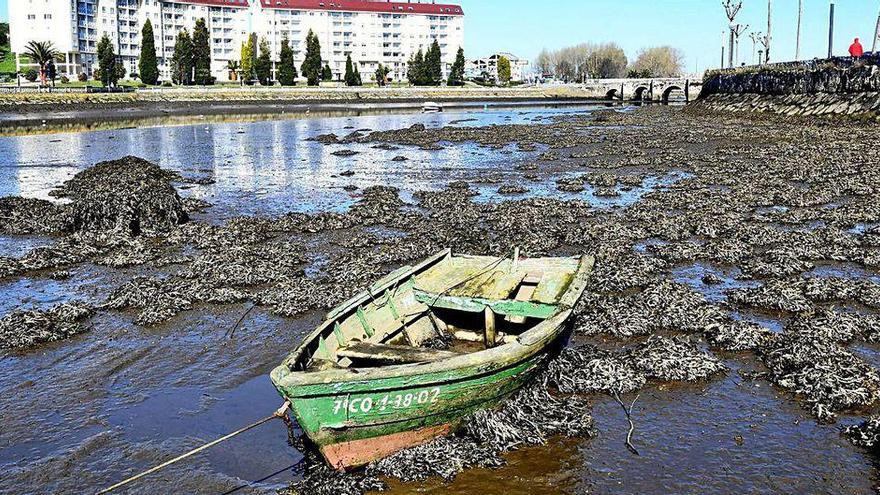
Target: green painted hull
(339,413)
(355,415)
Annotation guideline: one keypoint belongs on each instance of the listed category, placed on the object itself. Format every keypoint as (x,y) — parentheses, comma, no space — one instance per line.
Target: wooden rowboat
(371,380)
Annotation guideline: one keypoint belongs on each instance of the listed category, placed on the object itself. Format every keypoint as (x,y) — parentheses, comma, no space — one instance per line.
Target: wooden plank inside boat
(392,354)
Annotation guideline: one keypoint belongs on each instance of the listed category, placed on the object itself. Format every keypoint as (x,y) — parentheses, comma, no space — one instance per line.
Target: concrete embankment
(834,87)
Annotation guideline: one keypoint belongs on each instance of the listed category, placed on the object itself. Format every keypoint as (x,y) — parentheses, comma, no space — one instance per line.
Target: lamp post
(831,30)
(769,28)
(876,35)
(797,43)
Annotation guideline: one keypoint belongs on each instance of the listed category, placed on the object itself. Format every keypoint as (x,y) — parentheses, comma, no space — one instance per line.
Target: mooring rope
(280,413)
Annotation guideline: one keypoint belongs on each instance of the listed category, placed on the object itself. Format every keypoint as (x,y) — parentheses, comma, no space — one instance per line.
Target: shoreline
(85,116)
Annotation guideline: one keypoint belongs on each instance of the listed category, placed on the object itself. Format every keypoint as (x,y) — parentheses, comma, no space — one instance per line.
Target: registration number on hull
(404,400)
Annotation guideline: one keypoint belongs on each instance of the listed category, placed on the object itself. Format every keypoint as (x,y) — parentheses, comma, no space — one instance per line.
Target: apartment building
(373,32)
(488,66)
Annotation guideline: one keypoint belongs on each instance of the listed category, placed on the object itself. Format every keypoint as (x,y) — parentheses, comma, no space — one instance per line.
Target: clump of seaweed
(129,195)
(31,216)
(28,328)
(865,434)
(675,359)
(445,457)
(827,375)
(737,335)
(587,368)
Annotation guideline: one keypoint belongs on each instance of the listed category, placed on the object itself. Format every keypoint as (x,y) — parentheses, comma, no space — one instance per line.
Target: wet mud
(732,316)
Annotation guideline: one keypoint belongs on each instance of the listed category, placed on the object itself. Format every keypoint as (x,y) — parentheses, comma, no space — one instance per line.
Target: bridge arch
(642,93)
(667,93)
(612,94)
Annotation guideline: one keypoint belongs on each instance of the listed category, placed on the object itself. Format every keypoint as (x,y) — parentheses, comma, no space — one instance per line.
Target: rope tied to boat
(280,413)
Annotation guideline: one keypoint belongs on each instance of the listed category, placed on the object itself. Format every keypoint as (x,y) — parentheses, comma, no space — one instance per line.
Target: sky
(524,27)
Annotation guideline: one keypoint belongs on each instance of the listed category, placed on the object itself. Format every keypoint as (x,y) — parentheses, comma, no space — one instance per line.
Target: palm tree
(233,66)
(41,53)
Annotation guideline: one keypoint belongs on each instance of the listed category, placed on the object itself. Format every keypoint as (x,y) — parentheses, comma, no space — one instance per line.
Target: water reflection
(265,167)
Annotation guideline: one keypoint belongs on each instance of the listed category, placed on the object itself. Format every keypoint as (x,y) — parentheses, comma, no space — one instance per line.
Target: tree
(51,72)
(107,62)
(382,75)
(352,73)
(661,61)
(182,60)
(263,67)
(326,73)
(148,65)
(4,33)
(248,49)
(544,62)
(311,66)
(286,67)
(606,61)
(456,72)
(201,54)
(503,70)
(233,66)
(349,71)
(40,53)
(433,65)
(415,71)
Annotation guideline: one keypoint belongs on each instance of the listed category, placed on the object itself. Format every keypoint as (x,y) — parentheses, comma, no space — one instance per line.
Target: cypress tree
(456,73)
(434,64)
(106,62)
(148,65)
(201,54)
(327,74)
(357,76)
(263,67)
(349,72)
(286,67)
(182,60)
(311,66)
(382,74)
(416,69)
(247,66)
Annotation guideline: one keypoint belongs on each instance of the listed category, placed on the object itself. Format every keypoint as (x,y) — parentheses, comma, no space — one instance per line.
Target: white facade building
(371,31)
(488,66)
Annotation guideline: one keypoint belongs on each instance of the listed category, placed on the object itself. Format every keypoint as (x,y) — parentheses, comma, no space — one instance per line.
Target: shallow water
(81,414)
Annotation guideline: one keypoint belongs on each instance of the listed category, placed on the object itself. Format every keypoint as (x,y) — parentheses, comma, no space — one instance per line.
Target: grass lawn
(7,60)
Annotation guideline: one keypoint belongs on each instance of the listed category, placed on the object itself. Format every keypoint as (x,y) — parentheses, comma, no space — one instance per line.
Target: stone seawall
(832,87)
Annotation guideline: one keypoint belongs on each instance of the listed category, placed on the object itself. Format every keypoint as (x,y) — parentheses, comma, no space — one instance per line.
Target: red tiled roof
(365,6)
(217,3)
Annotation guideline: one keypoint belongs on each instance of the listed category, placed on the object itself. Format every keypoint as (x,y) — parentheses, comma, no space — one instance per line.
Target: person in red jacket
(856,50)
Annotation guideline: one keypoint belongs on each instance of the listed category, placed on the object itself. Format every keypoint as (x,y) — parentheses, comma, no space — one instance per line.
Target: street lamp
(831,30)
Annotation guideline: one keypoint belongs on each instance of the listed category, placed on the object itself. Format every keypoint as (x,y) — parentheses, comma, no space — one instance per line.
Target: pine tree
(456,73)
(106,62)
(311,66)
(349,72)
(357,76)
(247,65)
(148,65)
(434,65)
(327,74)
(286,67)
(182,60)
(201,54)
(263,67)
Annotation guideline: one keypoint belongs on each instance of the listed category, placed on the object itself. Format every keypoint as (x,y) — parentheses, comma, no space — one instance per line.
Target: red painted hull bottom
(360,452)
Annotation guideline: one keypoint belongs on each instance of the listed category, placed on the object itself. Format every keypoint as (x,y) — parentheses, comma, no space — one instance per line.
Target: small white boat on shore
(431,107)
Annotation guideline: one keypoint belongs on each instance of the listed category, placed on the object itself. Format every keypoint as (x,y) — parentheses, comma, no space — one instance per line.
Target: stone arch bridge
(658,90)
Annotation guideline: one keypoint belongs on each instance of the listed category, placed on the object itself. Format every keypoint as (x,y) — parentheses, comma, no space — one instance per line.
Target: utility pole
(755,37)
(831,30)
(722,48)
(797,43)
(769,28)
